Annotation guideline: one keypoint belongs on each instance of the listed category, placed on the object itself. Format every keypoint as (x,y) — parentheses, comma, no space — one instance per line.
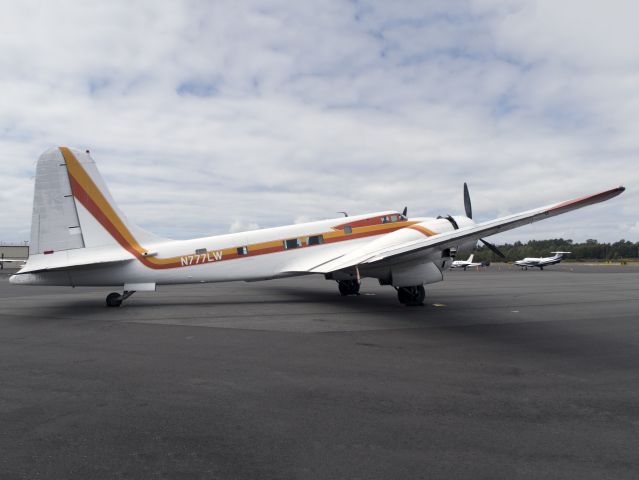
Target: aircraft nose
(13,279)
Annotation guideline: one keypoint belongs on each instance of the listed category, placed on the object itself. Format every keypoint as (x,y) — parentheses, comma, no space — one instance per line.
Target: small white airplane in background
(467,263)
(541,262)
(80,238)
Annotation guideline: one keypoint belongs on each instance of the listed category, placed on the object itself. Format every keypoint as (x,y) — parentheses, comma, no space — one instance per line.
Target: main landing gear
(411,296)
(348,287)
(115,299)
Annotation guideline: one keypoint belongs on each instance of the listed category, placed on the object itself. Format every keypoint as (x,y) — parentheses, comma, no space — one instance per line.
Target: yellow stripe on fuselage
(116,227)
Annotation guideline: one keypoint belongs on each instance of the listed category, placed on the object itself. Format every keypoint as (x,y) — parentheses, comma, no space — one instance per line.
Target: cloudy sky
(209,117)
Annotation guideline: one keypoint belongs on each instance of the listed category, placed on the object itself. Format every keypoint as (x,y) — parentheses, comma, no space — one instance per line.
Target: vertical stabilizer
(470,259)
(55,224)
(73,208)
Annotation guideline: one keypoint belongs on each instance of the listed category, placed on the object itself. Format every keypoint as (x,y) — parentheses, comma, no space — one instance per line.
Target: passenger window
(315,240)
(348,229)
(201,251)
(242,250)
(394,218)
(292,243)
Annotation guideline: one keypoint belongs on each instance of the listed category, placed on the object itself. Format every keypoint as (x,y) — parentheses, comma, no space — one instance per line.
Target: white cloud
(203,115)
(239,225)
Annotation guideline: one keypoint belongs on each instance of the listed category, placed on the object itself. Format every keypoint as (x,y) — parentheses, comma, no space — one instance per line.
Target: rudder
(73,207)
(55,224)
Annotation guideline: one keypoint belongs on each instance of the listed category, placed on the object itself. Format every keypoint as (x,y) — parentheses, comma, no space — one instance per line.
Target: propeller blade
(492,247)
(467,206)
(405,211)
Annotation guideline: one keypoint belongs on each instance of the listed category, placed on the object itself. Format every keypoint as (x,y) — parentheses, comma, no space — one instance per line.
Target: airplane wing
(414,249)
(549,262)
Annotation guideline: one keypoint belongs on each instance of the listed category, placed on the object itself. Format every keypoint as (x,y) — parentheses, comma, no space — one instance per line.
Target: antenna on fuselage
(345,214)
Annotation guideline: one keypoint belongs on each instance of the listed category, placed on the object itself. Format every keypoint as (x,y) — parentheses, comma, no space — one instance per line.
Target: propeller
(467,206)
(469,213)
(492,247)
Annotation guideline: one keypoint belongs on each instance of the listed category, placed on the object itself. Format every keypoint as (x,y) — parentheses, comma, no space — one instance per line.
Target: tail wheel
(114,299)
(411,296)
(348,287)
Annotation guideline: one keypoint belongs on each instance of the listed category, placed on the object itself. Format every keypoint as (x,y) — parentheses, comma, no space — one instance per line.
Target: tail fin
(73,208)
(470,259)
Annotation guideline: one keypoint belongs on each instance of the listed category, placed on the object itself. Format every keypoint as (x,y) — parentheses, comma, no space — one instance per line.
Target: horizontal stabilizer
(67,261)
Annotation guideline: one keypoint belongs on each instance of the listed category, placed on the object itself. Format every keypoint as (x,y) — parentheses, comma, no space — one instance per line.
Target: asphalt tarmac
(502,374)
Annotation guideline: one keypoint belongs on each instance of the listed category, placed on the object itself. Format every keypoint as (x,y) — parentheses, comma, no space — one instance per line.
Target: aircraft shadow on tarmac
(587,341)
(381,303)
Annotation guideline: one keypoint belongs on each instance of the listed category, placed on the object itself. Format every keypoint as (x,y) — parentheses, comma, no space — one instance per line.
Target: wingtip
(618,191)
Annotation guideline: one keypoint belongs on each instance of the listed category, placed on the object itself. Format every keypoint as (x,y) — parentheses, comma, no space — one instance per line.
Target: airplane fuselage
(249,256)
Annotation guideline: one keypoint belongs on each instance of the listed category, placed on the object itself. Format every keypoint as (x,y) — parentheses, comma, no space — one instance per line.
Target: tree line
(591,249)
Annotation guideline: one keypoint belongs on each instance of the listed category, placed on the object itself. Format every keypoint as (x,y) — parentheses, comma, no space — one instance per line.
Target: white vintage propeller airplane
(79,237)
(541,262)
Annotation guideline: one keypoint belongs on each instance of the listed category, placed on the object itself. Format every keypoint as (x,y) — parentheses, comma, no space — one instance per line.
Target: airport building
(13,251)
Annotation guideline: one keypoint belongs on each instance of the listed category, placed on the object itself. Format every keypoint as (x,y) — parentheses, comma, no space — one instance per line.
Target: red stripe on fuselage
(94,209)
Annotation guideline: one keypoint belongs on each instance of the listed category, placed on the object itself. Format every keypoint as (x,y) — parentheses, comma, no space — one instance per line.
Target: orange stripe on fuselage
(89,195)
(424,230)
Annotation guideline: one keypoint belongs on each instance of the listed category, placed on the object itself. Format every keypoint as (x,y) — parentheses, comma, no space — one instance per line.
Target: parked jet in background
(79,237)
(467,263)
(541,262)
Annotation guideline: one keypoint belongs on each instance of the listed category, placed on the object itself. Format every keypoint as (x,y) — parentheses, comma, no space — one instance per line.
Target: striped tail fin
(72,207)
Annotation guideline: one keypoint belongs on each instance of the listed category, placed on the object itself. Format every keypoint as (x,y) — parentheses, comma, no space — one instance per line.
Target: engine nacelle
(412,275)
(447,224)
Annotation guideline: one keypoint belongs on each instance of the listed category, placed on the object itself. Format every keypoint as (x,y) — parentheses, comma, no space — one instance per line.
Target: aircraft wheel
(114,299)
(348,287)
(402,295)
(411,296)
